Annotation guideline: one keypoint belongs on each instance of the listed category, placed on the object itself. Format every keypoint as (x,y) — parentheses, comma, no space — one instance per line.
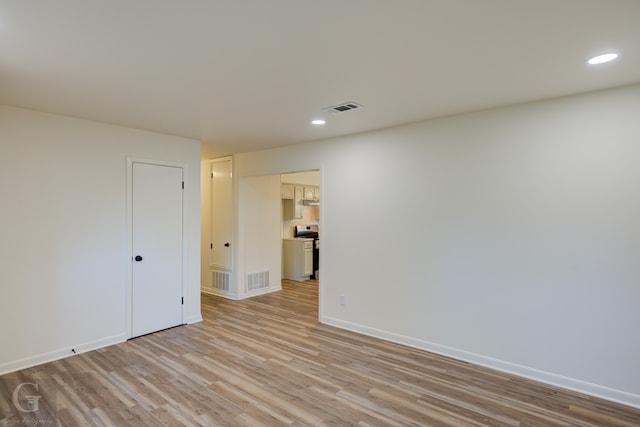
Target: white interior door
(221,211)
(156,299)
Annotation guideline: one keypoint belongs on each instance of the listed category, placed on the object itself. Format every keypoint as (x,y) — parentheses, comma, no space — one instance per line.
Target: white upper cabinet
(297,201)
(310,193)
(287,191)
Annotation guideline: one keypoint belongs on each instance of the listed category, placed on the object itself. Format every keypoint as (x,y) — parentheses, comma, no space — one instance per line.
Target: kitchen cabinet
(292,206)
(298,195)
(310,193)
(295,197)
(298,259)
(287,191)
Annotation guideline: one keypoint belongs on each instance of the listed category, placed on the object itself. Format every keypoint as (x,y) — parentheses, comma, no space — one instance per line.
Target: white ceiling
(242,75)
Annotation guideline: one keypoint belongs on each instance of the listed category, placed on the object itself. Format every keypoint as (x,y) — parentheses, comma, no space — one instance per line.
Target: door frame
(129,237)
(210,263)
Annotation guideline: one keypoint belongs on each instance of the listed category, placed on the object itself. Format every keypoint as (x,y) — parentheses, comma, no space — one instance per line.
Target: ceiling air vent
(343,107)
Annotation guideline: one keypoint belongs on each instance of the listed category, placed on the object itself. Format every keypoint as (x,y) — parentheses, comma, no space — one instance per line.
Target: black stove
(310,231)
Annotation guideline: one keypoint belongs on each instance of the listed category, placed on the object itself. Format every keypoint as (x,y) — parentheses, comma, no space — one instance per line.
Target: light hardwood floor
(266,361)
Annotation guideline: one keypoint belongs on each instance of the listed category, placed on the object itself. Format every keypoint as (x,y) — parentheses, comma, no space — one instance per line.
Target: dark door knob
(138,258)
(226,245)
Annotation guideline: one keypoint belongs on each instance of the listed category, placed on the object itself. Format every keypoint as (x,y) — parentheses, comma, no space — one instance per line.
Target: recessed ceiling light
(601,59)
(318,122)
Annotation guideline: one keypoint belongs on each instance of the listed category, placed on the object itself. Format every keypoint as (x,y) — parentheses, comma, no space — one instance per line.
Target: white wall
(63,251)
(260,220)
(304,178)
(508,237)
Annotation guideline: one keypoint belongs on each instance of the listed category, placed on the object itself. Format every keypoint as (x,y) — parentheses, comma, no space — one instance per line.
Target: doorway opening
(266,209)
(300,195)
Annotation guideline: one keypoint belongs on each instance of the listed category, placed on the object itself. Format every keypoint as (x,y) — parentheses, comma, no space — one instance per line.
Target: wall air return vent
(347,106)
(257,281)
(220,280)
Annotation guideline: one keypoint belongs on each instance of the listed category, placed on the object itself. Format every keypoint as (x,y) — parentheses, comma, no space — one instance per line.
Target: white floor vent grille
(259,280)
(220,280)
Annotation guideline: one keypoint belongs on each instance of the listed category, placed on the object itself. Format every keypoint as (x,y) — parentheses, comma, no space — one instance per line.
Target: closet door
(157,236)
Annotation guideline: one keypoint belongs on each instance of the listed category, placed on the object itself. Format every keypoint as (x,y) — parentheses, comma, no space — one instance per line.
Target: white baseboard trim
(39,359)
(227,295)
(235,296)
(573,384)
(194,319)
(262,291)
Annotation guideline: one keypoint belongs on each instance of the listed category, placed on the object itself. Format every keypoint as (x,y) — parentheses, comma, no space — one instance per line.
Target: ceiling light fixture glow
(601,59)
(318,122)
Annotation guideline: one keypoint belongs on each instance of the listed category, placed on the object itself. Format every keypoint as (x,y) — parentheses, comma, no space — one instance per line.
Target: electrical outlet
(342,300)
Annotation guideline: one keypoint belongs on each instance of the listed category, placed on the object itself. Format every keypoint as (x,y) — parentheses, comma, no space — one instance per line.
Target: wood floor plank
(266,361)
